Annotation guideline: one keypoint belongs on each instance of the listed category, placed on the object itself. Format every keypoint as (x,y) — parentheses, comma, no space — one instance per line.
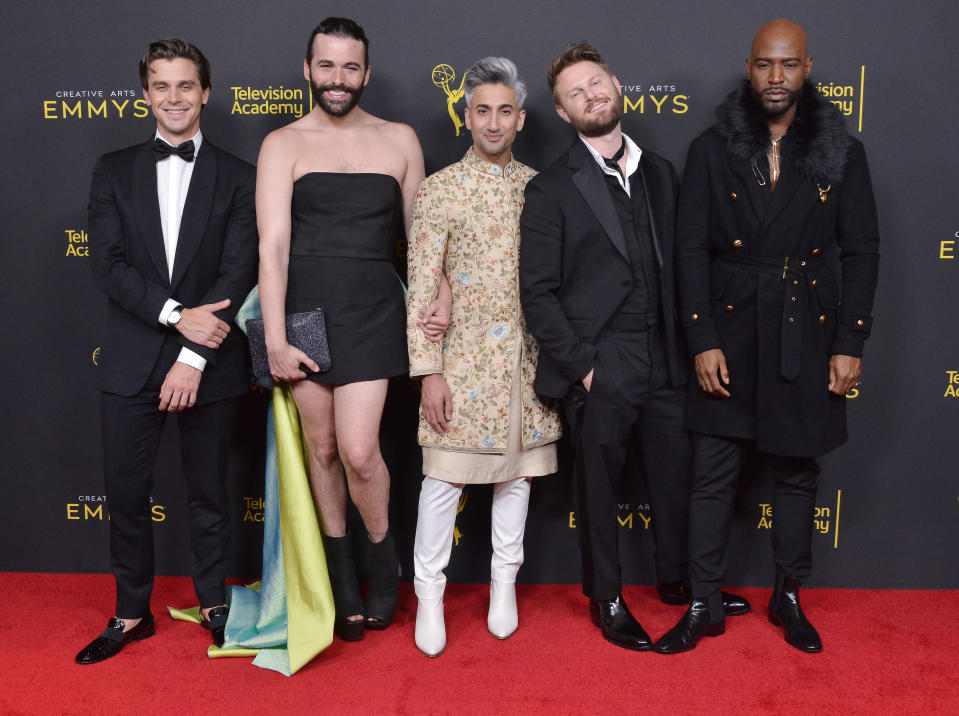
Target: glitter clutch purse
(306,331)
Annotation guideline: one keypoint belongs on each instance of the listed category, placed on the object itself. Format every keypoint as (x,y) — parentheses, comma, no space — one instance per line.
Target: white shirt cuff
(191,358)
(168,307)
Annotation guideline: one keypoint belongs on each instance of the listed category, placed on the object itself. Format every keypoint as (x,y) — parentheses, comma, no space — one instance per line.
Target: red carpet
(885,652)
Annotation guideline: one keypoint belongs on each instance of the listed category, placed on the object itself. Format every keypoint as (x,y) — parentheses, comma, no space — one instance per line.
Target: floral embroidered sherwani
(466,224)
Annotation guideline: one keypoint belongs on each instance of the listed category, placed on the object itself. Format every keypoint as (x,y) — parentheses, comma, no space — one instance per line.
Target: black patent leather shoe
(677,593)
(619,627)
(216,623)
(113,639)
(691,628)
(785,611)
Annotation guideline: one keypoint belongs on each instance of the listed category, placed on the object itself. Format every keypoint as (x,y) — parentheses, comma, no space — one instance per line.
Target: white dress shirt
(173,183)
(633,155)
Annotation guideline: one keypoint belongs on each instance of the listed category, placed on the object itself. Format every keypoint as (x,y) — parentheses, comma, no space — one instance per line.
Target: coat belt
(791,330)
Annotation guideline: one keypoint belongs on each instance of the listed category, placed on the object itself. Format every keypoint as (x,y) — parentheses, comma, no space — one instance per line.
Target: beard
(337,108)
(598,126)
(779,108)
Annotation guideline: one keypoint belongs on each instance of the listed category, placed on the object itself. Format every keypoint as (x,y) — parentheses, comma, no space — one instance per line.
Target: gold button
(795,282)
(822,318)
(792,320)
(793,298)
(738,243)
(815,252)
(695,316)
(860,322)
(802,263)
(733,195)
(814,282)
(730,308)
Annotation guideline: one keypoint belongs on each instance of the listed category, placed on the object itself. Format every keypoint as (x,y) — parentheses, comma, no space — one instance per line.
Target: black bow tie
(161,150)
(613,162)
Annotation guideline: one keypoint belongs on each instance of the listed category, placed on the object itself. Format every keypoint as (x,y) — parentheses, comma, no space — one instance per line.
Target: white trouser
(435,520)
(508,524)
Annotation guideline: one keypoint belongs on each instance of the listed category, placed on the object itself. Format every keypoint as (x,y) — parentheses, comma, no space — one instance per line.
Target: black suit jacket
(216,258)
(574,263)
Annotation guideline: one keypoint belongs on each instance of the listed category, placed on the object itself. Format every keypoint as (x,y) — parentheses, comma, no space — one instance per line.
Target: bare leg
(314,401)
(358,408)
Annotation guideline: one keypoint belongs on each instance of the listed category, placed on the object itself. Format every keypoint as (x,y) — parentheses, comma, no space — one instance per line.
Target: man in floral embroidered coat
(480,420)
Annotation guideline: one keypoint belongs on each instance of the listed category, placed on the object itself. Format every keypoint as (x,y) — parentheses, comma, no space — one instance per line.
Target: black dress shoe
(691,628)
(113,639)
(785,611)
(216,623)
(618,625)
(677,593)
(734,605)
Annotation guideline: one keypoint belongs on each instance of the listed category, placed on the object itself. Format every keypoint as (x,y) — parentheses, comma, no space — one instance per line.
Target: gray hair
(494,71)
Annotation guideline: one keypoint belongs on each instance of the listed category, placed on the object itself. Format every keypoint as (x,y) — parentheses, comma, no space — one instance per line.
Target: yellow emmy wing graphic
(96,356)
(442,76)
(457,535)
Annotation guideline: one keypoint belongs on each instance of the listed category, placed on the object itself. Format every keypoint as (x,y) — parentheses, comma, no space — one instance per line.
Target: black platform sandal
(381,599)
(346,590)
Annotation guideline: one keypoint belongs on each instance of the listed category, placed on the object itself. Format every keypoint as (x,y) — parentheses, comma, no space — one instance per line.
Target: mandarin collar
(481,165)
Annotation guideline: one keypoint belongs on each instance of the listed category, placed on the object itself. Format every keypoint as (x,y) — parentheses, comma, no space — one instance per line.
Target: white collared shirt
(633,155)
(173,183)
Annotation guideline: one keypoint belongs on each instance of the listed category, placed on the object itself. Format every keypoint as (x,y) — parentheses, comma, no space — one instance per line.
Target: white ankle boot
(510,505)
(436,518)
(430,627)
(503,618)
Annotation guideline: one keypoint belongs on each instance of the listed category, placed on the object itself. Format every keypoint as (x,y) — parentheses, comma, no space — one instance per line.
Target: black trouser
(131,428)
(629,399)
(717,463)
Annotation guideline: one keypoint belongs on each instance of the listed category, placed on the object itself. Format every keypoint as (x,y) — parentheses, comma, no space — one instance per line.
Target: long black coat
(777,324)
(574,268)
(216,258)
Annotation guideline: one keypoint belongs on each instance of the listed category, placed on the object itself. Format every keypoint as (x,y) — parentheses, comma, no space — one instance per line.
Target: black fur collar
(817,138)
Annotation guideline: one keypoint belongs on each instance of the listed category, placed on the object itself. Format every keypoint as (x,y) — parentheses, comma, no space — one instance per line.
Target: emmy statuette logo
(442,76)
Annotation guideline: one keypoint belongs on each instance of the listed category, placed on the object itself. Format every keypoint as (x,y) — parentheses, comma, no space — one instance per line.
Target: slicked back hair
(494,71)
(339,27)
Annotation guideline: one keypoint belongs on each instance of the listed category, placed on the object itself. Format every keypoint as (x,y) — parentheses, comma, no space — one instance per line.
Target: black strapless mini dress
(345,229)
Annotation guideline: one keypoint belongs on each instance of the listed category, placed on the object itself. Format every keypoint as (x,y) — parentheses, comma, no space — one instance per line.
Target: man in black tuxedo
(596,281)
(173,244)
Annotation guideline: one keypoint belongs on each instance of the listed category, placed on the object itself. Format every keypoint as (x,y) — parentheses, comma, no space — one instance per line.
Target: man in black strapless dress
(334,192)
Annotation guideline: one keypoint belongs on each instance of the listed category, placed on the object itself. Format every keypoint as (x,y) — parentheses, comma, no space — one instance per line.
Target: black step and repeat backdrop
(888,507)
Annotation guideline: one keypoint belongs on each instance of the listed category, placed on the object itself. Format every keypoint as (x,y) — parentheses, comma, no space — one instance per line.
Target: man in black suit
(596,281)
(173,244)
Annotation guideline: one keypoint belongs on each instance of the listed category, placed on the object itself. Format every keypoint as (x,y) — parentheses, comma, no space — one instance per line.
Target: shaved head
(779,32)
(778,65)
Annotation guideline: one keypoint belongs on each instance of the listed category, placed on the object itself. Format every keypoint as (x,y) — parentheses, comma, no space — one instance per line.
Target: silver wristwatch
(174,316)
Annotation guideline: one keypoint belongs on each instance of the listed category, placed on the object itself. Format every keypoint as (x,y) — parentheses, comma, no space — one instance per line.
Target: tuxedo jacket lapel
(196,210)
(652,185)
(590,182)
(147,207)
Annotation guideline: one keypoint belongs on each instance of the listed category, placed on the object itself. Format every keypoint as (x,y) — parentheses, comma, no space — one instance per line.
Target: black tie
(161,150)
(613,162)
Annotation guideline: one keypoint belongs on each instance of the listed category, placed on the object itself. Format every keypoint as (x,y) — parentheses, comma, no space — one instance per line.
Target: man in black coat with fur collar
(773,194)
